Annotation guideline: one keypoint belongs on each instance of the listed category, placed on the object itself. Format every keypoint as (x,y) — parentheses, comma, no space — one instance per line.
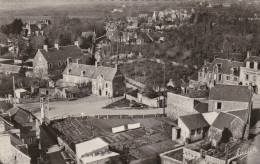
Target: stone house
(52,61)
(27,123)
(106,81)
(220,71)
(234,121)
(228,97)
(193,127)
(249,72)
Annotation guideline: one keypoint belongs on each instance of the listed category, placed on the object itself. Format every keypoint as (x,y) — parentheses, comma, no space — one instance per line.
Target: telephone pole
(164,90)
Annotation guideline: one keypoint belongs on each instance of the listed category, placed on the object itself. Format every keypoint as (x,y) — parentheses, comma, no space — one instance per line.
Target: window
(235,78)
(258,66)
(219,77)
(59,64)
(247,76)
(106,85)
(251,65)
(219,105)
(31,140)
(50,65)
(228,77)
(198,131)
(106,92)
(193,132)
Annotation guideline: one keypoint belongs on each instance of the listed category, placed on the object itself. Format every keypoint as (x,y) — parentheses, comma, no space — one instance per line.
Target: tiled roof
(64,52)
(239,113)
(226,66)
(91,71)
(251,58)
(230,93)
(10,68)
(194,121)
(34,27)
(223,121)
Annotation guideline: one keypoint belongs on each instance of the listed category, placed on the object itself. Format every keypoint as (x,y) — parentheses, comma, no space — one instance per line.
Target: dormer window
(252,64)
(219,65)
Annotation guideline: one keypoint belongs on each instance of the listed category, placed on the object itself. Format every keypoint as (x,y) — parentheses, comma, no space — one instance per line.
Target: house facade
(193,127)
(228,97)
(220,71)
(53,61)
(250,72)
(106,81)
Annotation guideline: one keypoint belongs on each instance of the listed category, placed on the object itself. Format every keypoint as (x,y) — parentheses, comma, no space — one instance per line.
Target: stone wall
(226,105)
(178,105)
(10,154)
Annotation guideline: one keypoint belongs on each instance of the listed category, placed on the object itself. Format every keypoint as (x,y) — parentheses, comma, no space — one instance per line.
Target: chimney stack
(45,47)
(248,54)
(76,43)
(57,46)
(115,66)
(96,64)
(68,60)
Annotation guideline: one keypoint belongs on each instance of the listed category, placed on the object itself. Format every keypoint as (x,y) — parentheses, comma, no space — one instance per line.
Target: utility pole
(164,90)
(14,90)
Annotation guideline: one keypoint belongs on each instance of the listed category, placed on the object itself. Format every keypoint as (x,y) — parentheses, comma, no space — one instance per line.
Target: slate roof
(10,68)
(239,113)
(230,93)
(226,66)
(223,120)
(194,121)
(201,107)
(53,55)
(91,71)
(251,58)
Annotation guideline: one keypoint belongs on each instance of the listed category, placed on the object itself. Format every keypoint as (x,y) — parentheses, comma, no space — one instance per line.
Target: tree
(15,27)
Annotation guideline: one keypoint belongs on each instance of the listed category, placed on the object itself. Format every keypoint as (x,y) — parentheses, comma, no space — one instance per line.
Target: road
(90,106)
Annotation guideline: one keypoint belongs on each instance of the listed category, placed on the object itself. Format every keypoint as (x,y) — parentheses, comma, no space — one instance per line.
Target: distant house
(52,61)
(105,81)
(68,92)
(220,71)
(12,70)
(21,93)
(193,127)
(233,122)
(228,97)
(249,72)
(36,28)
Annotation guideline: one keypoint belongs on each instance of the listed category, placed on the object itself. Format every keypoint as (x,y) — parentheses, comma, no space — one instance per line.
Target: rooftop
(194,121)
(230,93)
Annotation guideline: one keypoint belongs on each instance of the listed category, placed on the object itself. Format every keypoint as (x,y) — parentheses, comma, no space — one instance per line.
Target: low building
(72,92)
(12,70)
(229,97)
(94,151)
(106,81)
(193,127)
(233,122)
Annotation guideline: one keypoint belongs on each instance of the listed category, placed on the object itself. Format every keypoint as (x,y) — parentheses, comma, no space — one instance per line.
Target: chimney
(68,60)
(115,66)
(57,46)
(76,43)
(77,61)
(96,64)
(248,54)
(45,47)
(41,33)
